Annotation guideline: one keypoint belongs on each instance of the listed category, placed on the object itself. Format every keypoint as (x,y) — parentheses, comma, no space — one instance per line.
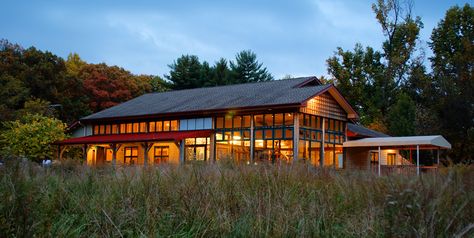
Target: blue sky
(289,37)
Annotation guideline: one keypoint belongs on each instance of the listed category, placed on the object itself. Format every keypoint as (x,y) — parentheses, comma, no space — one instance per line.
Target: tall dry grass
(231,200)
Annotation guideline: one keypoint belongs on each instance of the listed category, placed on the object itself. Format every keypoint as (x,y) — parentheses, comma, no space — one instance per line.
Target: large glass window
(130,155)
(161,154)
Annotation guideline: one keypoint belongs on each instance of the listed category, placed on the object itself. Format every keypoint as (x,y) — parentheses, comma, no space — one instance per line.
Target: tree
(159,85)
(32,136)
(371,79)
(220,73)
(401,117)
(74,64)
(105,86)
(452,42)
(185,72)
(247,69)
(401,31)
(356,74)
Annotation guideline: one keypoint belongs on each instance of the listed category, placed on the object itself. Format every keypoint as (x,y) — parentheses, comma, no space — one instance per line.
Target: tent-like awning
(143,137)
(436,141)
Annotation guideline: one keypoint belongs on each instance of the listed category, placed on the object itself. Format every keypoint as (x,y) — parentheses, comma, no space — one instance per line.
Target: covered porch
(385,155)
(141,149)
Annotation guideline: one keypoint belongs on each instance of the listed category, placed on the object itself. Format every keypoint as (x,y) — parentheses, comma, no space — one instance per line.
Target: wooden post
(437,159)
(181,152)
(252,140)
(417,160)
(379,160)
(146,148)
(323,143)
(115,148)
(84,152)
(296,136)
(212,148)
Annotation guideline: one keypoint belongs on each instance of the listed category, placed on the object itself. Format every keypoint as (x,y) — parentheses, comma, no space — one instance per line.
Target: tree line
(394,89)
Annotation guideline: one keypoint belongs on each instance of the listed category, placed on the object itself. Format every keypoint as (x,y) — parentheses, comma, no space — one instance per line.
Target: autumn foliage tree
(32,136)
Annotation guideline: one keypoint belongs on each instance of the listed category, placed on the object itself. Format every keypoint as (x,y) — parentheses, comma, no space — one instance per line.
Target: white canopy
(435,140)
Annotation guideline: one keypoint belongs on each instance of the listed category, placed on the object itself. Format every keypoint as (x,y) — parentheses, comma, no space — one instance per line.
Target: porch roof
(403,141)
(140,137)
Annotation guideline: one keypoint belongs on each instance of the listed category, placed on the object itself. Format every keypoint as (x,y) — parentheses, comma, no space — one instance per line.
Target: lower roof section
(143,137)
(404,141)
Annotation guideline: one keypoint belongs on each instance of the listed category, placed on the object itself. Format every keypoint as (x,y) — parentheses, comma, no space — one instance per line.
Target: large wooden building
(276,121)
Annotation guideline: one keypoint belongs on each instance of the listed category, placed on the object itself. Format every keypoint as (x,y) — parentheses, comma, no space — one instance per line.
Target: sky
(289,37)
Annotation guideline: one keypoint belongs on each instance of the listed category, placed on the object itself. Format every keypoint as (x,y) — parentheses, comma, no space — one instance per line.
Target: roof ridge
(233,85)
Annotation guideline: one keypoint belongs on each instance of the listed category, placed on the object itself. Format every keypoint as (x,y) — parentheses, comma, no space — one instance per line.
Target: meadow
(228,200)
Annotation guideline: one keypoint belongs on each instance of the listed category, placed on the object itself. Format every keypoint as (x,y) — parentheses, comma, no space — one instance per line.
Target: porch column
(181,151)
(84,152)
(146,148)
(252,140)
(323,143)
(212,148)
(296,136)
(379,161)
(437,157)
(114,147)
(417,160)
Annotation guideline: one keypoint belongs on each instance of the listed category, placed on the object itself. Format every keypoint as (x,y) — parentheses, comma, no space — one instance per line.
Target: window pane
(268,134)
(159,126)
(236,135)
(115,129)
(301,120)
(219,136)
(190,141)
(307,120)
(313,135)
(268,120)
(96,130)
(152,126)
(134,151)
(258,120)
(129,128)
(278,133)
(107,129)
(166,125)
(288,133)
(201,141)
(237,121)
(278,119)
(219,122)
(313,122)
(174,125)
(136,127)
(101,129)
(164,151)
(228,122)
(246,121)
(288,119)
(143,127)
(258,134)
(123,128)
(246,134)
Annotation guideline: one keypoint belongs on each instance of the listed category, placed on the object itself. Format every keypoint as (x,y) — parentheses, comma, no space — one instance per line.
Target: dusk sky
(289,37)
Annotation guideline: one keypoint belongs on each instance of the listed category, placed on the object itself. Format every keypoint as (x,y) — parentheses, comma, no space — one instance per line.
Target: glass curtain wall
(233,138)
(273,137)
(311,133)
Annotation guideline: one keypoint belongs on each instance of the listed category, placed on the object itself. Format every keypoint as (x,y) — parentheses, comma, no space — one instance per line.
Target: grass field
(229,200)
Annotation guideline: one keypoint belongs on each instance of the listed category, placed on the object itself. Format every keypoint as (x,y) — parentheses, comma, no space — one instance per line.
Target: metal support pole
(323,143)
(437,159)
(379,162)
(296,136)
(417,160)
(252,140)
(181,152)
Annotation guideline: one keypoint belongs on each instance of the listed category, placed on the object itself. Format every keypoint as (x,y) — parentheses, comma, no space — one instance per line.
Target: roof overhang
(139,137)
(435,141)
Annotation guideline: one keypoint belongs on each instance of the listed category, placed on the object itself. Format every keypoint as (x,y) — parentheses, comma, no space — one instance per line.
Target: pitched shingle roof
(261,94)
(365,132)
